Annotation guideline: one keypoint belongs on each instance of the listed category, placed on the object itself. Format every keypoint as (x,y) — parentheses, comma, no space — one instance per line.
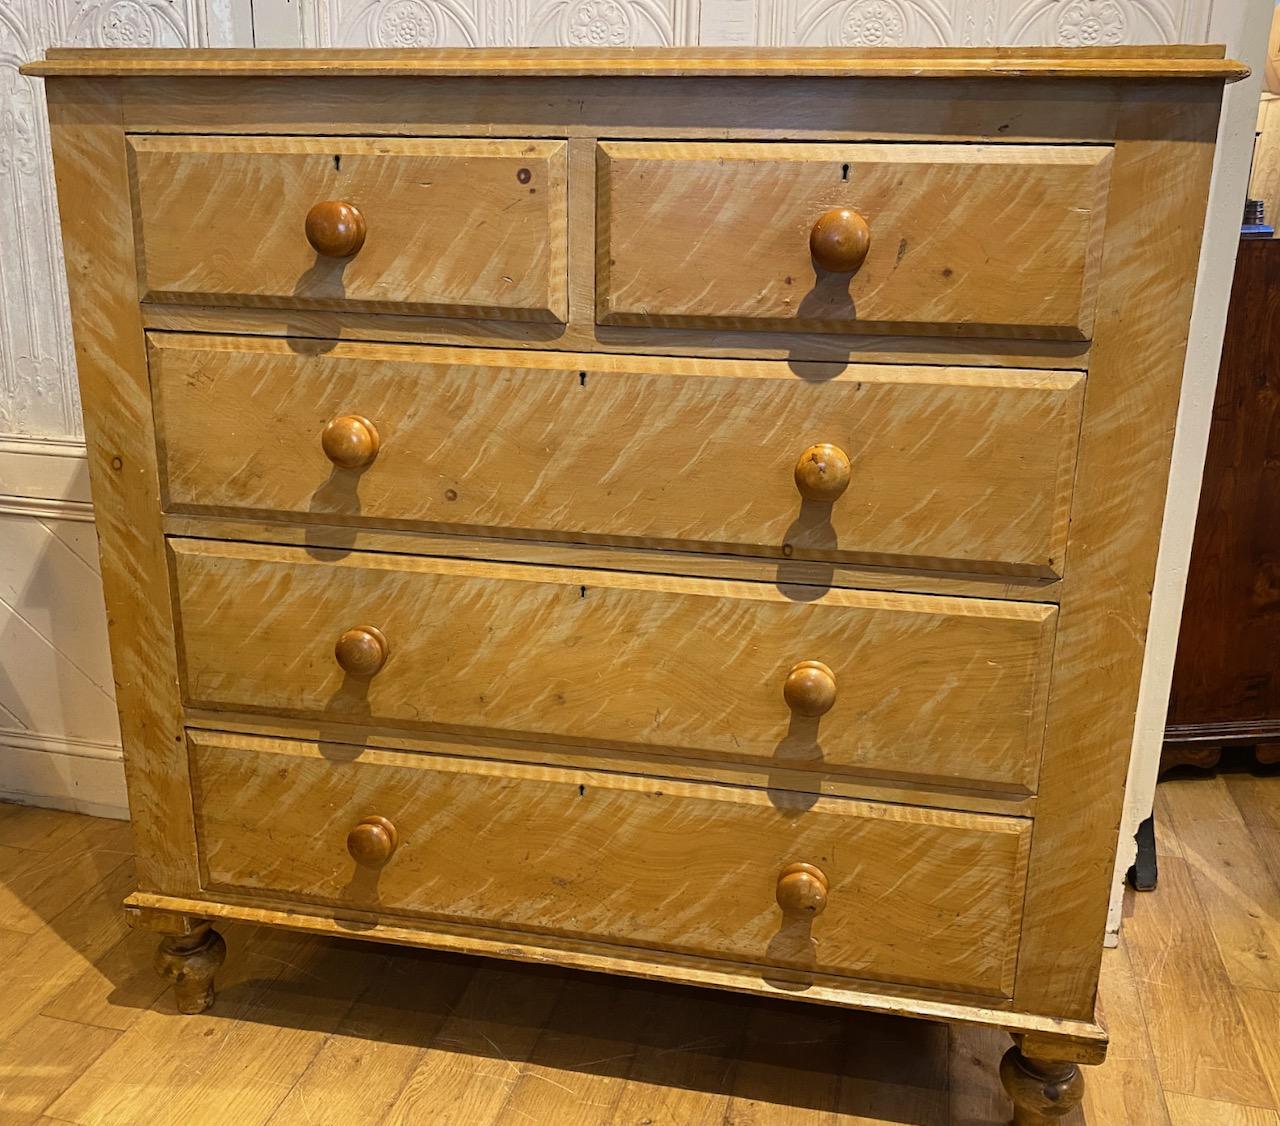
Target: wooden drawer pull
(822,473)
(350,442)
(839,241)
(362,651)
(810,688)
(335,229)
(372,841)
(802,889)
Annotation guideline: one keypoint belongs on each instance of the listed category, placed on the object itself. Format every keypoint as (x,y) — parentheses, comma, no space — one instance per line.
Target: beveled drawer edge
(612,558)
(514,748)
(988,607)
(585,336)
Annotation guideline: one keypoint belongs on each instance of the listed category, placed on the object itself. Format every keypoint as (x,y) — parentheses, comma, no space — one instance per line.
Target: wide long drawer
(993,240)
(875,891)
(967,468)
(940,689)
(453,227)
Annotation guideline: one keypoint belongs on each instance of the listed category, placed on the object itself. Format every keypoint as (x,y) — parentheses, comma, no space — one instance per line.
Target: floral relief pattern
(407,23)
(38,392)
(872,23)
(1091,23)
(973,23)
(126,24)
(393,23)
(598,23)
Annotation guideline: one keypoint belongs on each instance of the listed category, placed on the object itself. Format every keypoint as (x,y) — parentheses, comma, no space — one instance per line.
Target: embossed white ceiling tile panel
(601,23)
(860,23)
(38,392)
(401,23)
(500,23)
(1102,23)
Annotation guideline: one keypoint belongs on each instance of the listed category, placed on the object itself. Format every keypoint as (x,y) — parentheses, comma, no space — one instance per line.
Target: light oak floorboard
(1239,894)
(66,1049)
(1262,1016)
(1187,1110)
(1127,1088)
(320,1031)
(1197,1031)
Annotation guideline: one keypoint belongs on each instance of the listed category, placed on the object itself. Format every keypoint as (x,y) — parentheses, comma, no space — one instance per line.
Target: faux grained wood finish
(1163,160)
(964,720)
(607,857)
(474,226)
(965,469)
(97,242)
(1183,61)
(998,240)
(942,689)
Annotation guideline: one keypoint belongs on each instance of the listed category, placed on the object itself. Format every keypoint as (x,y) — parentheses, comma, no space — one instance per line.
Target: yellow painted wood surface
(1189,61)
(927,688)
(1000,240)
(223,219)
(606,857)
(951,467)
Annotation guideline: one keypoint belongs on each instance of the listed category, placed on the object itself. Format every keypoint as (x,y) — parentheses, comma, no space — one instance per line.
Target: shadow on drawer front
(944,690)
(883,892)
(469,227)
(965,468)
(989,240)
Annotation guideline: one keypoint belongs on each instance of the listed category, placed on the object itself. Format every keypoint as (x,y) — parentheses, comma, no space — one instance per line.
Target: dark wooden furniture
(1226,682)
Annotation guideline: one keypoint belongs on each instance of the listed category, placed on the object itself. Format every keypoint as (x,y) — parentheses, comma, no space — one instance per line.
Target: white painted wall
(58,737)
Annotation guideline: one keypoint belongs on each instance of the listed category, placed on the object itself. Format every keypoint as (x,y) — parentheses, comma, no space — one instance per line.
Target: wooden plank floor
(310,1031)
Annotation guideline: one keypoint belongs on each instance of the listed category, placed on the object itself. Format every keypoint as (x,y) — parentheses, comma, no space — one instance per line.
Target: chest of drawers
(687,514)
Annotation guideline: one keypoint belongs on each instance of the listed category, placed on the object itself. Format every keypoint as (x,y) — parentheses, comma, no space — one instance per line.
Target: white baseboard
(62,773)
(44,477)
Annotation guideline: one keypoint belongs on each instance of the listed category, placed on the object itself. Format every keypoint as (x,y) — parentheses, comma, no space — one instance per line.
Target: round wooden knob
(810,688)
(839,241)
(822,473)
(362,651)
(802,889)
(335,229)
(372,841)
(350,442)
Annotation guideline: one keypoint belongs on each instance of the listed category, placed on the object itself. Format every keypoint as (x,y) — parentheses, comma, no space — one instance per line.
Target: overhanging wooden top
(1178,62)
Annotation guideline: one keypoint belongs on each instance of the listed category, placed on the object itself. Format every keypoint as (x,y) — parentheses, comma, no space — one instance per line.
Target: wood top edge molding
(1151,63)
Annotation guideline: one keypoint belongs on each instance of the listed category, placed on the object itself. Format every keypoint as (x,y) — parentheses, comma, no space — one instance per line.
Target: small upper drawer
(471,227)
(977,239)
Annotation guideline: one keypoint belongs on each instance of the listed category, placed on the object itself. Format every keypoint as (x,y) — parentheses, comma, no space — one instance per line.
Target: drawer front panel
(939,689)
(920,896)
(978,239)
(472,227)
(947,467)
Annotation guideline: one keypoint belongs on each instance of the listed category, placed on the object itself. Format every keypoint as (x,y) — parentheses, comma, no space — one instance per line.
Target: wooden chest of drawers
(686,513)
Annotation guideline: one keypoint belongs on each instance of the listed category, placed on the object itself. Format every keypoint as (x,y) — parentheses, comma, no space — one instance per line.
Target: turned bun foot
(190,961)
(1043,1091)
